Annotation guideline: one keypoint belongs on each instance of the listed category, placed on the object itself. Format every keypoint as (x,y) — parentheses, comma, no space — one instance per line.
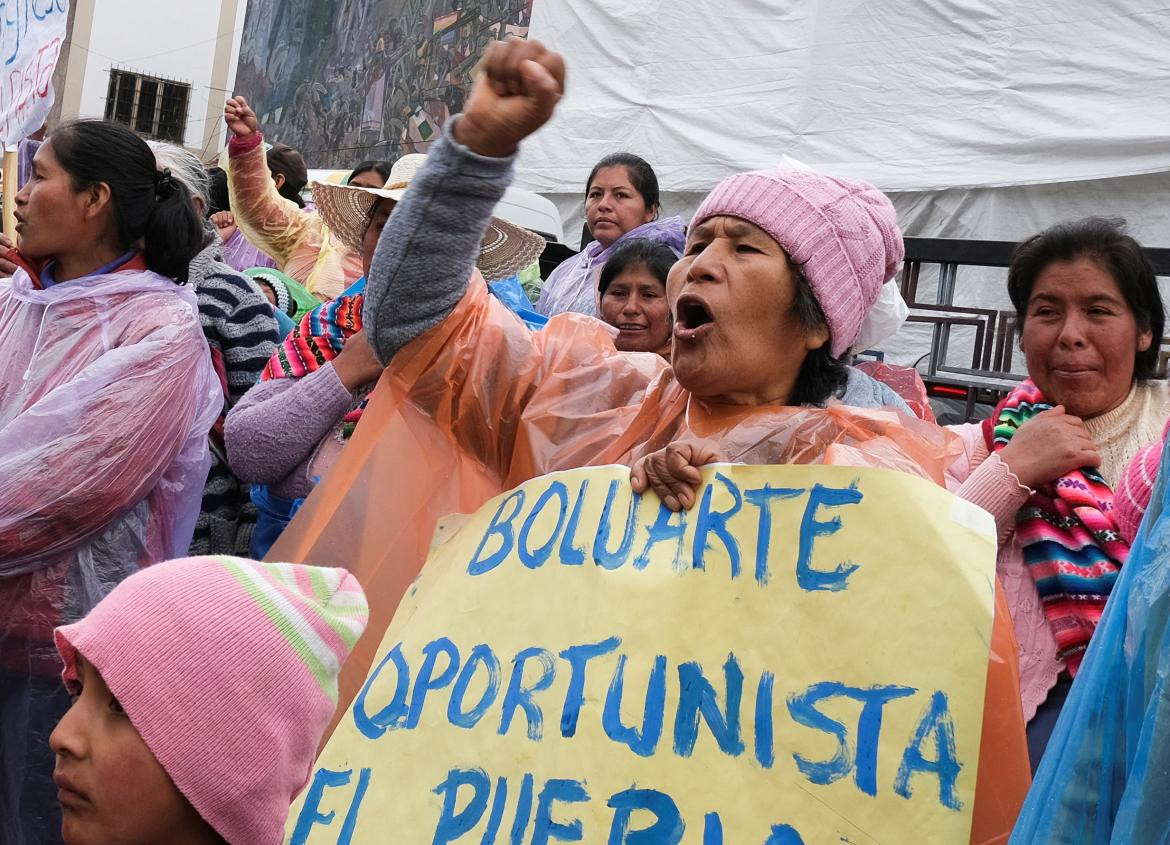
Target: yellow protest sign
(800,658)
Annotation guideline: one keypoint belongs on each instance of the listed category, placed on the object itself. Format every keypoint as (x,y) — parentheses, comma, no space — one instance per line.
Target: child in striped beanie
(201,690)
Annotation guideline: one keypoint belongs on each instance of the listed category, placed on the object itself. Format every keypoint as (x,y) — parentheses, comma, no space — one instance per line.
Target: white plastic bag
(884,319)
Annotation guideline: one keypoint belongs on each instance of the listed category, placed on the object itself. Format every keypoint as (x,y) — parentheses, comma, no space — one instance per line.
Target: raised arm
(271,222)
(453,352)
(428,248)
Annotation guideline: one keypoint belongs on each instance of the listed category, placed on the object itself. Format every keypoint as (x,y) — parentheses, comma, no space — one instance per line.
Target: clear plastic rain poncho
(107,395)
(1105,778)
(297,240)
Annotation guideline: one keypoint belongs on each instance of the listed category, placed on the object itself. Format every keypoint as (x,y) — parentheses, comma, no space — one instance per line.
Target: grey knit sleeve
(429,246)
(862,390)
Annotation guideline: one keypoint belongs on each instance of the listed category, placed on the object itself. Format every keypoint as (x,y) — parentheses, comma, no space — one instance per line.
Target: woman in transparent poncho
(105,403)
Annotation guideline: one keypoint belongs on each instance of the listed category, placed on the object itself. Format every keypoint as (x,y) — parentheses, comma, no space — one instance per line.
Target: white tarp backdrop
(982,119)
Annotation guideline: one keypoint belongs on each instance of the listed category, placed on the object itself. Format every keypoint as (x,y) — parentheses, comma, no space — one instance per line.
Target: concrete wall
(196,43)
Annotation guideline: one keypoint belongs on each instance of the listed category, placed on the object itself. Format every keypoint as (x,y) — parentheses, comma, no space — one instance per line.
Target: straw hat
(506,249)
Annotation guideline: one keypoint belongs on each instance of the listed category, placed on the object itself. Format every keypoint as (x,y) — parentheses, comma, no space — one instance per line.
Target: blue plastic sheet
(510,292)
(273,514)
(1105,777)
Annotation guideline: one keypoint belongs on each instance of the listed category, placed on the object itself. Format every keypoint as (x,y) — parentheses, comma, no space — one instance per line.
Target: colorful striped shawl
(1069,535)
(318,338)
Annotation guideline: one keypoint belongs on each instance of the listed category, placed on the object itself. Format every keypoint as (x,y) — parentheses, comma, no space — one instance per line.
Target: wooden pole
(10,189)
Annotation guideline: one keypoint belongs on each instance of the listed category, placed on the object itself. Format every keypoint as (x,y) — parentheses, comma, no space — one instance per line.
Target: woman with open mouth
(779,272)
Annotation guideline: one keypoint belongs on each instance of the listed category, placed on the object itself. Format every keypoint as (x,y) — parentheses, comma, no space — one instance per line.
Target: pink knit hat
(228,670)
(844,236)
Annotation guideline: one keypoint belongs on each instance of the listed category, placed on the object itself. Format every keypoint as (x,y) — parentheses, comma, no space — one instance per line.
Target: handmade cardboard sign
(800,658)
(31,36)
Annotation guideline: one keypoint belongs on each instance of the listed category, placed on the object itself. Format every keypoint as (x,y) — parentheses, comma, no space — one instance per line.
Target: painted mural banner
(31,35)
(346,80)
(799,659)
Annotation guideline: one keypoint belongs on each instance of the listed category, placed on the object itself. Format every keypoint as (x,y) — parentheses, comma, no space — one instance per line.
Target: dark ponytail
(174,232)
(151,208)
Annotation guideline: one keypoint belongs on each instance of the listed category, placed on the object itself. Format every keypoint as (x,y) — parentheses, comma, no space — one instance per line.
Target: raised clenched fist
(520,84)
(240,118)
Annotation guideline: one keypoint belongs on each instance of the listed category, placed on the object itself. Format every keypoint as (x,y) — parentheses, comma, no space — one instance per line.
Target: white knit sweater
(1134,424)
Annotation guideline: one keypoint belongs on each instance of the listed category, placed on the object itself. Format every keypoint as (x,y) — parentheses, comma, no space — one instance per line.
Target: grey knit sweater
(430,244)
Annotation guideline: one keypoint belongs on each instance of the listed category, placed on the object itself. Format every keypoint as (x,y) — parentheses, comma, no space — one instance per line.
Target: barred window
(148,105)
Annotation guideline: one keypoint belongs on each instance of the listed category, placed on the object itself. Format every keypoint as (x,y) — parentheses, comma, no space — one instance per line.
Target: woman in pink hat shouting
(779,272)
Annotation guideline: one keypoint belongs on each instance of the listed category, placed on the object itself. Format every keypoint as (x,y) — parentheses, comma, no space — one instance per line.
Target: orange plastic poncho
(479,404)
(297,240)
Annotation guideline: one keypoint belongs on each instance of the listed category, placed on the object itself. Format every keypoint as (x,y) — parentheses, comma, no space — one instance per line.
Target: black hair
(217,191)
(382,168)
(642,176)
(284,160)
(1105,242)
(655,256)
(821,375)
(149,206)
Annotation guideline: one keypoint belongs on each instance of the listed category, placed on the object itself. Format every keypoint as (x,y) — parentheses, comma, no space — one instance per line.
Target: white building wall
(174,39)
(237,39)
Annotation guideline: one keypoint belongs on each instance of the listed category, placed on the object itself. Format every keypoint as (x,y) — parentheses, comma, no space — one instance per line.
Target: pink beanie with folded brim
(844,236)
(227,668)
(1132,497)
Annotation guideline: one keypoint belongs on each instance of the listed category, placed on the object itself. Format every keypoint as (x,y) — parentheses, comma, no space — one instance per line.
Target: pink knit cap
(844,236)
(228,669)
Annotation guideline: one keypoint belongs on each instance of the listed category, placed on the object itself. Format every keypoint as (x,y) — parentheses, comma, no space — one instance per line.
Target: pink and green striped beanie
(228,669)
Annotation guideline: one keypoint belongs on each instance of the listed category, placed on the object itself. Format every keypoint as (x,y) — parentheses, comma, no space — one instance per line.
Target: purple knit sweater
(274,432)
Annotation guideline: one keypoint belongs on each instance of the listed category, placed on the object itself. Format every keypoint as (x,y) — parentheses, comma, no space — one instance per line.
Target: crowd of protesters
(189,351)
